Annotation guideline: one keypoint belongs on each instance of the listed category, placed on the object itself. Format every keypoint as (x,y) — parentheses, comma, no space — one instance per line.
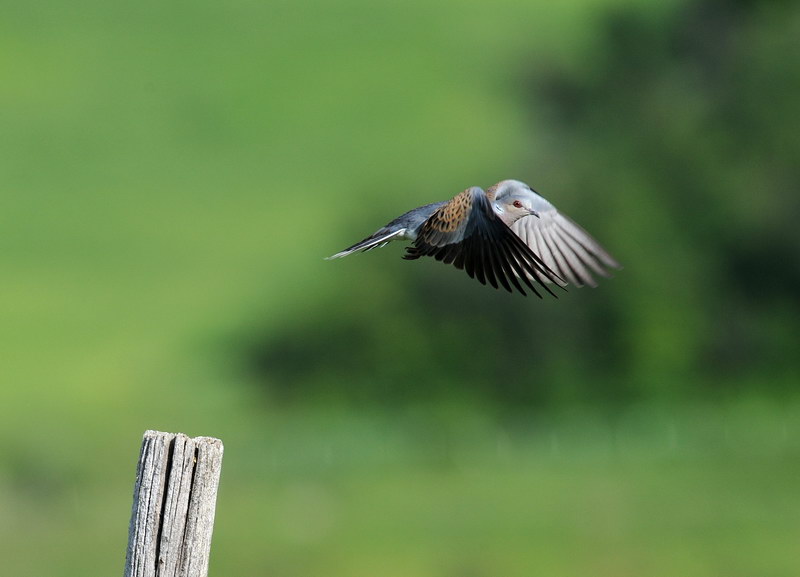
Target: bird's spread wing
(467,233)
(564,246)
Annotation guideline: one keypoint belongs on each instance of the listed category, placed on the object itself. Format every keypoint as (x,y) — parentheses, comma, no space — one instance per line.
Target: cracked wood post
(173,506)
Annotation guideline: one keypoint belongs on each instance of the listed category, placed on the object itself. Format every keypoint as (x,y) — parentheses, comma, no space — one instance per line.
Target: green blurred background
(173,173)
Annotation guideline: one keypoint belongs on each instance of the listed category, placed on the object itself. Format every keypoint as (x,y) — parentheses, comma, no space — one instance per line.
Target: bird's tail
(377,240)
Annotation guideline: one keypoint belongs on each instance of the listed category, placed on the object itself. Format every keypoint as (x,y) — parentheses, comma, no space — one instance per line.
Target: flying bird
(507,236)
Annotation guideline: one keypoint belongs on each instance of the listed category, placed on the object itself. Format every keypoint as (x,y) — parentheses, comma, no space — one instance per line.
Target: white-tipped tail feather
(377,240)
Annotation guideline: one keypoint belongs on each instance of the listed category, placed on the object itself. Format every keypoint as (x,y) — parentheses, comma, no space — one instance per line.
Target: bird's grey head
(513,200)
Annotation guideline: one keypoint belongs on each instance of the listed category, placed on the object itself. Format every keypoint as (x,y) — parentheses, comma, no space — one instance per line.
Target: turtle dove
(502,236)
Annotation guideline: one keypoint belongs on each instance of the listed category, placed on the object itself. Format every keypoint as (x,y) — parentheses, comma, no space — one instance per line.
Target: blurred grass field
(172,176)
(426,492)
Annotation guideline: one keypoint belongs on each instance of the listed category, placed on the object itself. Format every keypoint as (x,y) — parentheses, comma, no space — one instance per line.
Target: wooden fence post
(173,506)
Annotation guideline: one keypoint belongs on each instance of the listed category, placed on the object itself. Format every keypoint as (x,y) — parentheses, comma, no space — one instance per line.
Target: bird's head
(513,200)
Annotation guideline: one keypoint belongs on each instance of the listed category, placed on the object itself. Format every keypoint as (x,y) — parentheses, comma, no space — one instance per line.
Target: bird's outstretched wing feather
(565,247)
(466,233)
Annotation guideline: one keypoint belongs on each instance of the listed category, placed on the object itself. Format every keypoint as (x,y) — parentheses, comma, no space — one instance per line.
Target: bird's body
(502,235)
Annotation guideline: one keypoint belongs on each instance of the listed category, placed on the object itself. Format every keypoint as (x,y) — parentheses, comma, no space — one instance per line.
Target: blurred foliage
(696,110)
(172,175)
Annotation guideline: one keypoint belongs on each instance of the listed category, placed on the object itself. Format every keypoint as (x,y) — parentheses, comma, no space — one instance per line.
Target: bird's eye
(517,204)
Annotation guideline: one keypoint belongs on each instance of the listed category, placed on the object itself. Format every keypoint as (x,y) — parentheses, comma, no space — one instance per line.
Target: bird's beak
(534,213)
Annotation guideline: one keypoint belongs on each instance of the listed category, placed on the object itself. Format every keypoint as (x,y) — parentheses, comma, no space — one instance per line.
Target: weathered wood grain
(174,500)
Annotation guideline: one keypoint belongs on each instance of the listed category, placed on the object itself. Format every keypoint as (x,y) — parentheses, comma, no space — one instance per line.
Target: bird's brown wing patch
(467,233)
(448,223)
